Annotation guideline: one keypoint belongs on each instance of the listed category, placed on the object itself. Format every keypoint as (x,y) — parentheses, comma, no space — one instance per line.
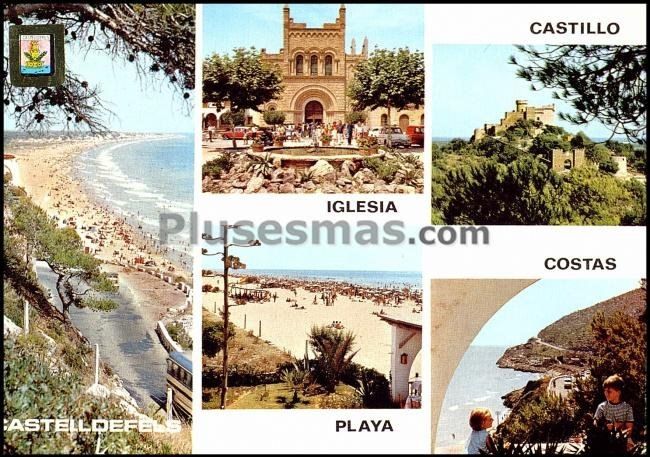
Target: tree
(234,118)
(334,353)
(157,38)
(354,117)
(274,117)
(80,282)
(213,337)
(242,80)
(604,83)
(388,79)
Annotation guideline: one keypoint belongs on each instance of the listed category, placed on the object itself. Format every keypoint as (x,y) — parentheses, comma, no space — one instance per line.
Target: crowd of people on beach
(326,292)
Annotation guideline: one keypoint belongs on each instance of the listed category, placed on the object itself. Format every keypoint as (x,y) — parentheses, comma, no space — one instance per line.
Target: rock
(309,186)
(239,184)
(254,185)
(277,163)
(273,188)
(348,167)
(321,168)
(263,191)
(365,176)
(329,188)
(403,189)
(287,188)
(289,176)
(236,191)
(97,390)
(11,328)
(367,188)
(277,174)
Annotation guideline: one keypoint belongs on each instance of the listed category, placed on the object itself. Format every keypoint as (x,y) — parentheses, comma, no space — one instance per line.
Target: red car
(416,134)
(237,133)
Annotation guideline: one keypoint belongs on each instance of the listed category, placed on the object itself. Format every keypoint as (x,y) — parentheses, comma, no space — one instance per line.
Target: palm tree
(334,352)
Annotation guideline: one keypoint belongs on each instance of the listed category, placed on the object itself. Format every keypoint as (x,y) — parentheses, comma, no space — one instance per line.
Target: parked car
(237,133)
(374,131)
(398,138)
(416,134)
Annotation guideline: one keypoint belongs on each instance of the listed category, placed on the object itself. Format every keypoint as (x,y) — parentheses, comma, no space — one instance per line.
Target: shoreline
(285,310)
(46,172)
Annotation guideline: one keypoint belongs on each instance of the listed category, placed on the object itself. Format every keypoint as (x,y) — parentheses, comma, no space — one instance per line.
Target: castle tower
(521,105)
(364,48)
(353,47)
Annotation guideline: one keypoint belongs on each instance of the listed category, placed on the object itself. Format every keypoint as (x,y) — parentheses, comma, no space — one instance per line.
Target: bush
(213,337)
(385,169)
(178,333)
(213,168)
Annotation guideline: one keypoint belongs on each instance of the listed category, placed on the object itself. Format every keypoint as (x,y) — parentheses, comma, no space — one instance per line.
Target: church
(316,71)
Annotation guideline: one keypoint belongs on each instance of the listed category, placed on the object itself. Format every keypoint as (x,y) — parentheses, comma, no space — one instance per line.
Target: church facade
(316,71)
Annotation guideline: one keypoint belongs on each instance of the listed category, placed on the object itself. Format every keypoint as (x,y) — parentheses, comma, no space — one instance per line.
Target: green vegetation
(355,116)
(274,117)
(391,79)
(263,377)
(234,118)
(32,233)
(34,389)
(507,180)
(214,167)
(213,339)
(607,83)
(242,80)
(613,335)
(157,39)
(334,353)
(178,333)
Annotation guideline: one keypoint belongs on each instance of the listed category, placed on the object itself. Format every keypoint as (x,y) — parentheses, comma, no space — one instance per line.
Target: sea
(141,178)
(385,279)
(477,382)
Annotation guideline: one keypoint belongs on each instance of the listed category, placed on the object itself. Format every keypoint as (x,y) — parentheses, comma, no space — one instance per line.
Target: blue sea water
(477,382)
(412,279)
(141,178)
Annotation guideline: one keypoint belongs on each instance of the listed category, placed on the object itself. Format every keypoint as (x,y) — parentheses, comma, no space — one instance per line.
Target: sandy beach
(46,174)
(287,326)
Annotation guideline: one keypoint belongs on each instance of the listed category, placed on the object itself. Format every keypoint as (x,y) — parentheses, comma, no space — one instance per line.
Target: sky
(139,106)
(543,303)
(352,257)
(227,26)
(474,85)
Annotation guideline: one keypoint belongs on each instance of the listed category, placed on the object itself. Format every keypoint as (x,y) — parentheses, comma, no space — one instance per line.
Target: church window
(328,65)
(314,66)
(299,63)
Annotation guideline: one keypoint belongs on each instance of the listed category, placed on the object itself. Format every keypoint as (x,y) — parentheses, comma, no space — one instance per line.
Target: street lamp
(227,263)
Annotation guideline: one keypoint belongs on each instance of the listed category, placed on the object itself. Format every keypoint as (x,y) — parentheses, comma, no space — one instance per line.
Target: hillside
(564,346)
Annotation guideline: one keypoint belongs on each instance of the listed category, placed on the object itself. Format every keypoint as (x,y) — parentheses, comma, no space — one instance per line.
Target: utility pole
(224,385)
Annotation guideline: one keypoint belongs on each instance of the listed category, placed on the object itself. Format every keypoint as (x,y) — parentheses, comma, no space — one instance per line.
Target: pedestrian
(350,128)
(614,413)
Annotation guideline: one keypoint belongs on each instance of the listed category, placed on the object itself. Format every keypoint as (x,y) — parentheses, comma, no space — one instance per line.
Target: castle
(544,114)
(316,71)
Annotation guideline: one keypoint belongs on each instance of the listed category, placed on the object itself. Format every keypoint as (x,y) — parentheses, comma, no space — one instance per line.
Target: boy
(480,441)
(613,412)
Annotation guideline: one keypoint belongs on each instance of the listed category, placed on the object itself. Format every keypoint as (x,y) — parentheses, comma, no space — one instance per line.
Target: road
(126,341)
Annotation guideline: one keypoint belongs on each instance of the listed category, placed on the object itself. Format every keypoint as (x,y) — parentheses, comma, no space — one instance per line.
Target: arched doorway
(210,119)
(314,112)
(403,122)
(384,120)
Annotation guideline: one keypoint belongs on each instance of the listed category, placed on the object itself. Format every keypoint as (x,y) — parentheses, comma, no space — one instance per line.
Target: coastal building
(406,343)
(544,114)
(316,72)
